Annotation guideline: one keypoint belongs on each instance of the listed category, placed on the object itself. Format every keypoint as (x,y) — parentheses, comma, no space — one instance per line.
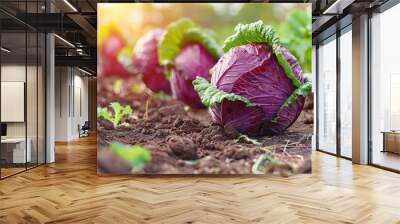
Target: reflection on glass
(41,99)
(346,94)
(22,91)
(31,97)
(327,96)
(385,84)
(14,153)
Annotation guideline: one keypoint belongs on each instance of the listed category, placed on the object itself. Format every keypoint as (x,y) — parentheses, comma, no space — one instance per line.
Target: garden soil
(186,141)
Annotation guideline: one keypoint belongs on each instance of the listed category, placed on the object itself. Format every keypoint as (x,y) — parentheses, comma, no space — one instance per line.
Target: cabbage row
(251,84)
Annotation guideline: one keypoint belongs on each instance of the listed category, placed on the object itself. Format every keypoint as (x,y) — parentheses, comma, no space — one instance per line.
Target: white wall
(71,94)
(12,73)
(61,103)
(16,73)
(80,110)
(33,126)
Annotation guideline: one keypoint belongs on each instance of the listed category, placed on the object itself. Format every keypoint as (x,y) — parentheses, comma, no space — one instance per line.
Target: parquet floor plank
(70,191)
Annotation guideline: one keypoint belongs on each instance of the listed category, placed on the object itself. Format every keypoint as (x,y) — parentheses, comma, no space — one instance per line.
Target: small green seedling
(135,155)
(246,139)
(119,113)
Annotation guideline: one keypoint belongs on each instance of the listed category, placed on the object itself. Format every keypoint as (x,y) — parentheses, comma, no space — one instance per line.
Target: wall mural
(207,88)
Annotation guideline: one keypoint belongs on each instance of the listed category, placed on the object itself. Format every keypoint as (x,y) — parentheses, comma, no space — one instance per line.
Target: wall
(61,103)
(80,103)
(33,127)
(71,102)
(17,73)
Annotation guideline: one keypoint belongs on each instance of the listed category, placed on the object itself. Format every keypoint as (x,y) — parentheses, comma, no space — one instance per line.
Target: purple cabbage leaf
(187,51)
(257,86)
(145,61)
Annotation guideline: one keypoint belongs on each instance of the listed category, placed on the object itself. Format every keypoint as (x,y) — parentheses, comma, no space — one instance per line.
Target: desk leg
(384,143)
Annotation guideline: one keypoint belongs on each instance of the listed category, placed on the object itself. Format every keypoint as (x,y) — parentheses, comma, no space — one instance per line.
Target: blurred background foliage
(292,21)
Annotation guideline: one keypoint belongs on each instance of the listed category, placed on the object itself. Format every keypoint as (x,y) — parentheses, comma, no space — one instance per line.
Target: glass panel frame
(345,93)
(31,65)
(326,108)
(13,74)
(31,99)
(383,85)
(334,127)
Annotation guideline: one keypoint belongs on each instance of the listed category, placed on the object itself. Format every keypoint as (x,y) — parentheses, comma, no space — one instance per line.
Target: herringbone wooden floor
(70,191)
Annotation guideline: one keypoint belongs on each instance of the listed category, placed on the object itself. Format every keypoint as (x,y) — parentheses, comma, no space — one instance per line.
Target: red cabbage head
(257,86)
(145,61)
(188,52)
(111,43)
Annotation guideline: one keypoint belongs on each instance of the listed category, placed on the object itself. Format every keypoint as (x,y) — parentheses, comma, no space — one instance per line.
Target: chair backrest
(86,125)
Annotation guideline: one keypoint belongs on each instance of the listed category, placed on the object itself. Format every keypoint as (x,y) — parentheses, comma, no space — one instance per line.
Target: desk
(391,141)
(16,147)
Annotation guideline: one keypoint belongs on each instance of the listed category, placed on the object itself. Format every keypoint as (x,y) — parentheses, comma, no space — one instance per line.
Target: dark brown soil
(185,141)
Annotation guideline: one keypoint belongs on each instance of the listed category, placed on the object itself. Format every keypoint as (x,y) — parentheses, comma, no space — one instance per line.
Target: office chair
(84,130)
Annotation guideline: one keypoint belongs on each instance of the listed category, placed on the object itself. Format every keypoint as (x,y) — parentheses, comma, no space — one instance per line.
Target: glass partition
(32,98)
(385,89)
(41,96)
(14,151)
(22,77)
(346,92)
(327,95)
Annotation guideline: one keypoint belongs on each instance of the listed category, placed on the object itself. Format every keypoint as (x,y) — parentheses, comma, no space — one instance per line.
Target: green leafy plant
(170,45)
(135,155)
(119,113)
(296,36)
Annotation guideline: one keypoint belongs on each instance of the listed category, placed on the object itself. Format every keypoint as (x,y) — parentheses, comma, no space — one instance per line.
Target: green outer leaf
(170,43)
(258,32)
(200,36)
(176,35)
(287,68)
(104,113)
(135,155)
(210,95)
(303,90)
